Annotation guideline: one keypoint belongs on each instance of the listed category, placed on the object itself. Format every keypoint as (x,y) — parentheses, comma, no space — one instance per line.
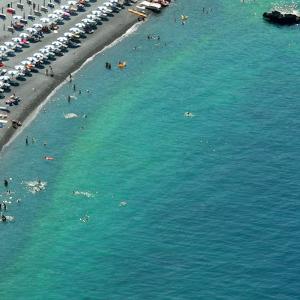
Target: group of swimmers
(3,205)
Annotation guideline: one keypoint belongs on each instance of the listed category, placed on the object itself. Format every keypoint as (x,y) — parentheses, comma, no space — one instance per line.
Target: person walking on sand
(74,87)
(51,71)
(69,99)
(47,72)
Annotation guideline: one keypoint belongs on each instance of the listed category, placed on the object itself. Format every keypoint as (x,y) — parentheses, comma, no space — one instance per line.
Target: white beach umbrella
(62,39)
(80,25)
(31,59)
(45,20)
(58,44)
(91,17)
(31,30)
(13,73)
(50,47)
(25,62)
(24,35)
(38,55)
(74,29)
(17,17)
(37,26)
(3,48)
(65,7)
(9,44)
(88,21)
(53,16)
(3,71)
(107,9)
(44,51)
(19,68)
(59,12)
(17,40)
(68,34)
(4,78)
(104,9)
(47,53)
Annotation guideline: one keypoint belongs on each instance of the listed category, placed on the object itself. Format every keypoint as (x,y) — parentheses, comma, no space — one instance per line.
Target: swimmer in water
(188,114)
(85,218)
(123,203)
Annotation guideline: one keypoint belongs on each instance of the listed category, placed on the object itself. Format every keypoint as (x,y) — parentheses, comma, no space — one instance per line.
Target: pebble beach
(34,90)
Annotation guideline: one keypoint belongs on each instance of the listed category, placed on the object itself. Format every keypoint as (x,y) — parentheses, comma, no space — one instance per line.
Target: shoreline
(38,88)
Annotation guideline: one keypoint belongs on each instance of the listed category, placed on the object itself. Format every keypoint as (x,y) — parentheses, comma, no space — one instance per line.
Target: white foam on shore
(35,112)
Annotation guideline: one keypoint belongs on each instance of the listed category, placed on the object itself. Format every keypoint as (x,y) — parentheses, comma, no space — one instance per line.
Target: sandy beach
(36,88)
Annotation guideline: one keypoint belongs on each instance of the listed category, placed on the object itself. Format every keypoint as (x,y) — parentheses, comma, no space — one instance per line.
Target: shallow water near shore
(202,207)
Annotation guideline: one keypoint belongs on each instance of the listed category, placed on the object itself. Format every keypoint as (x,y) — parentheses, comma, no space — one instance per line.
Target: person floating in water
(5,183)
(3,206)
(85,218)
(3,218)
(108,65)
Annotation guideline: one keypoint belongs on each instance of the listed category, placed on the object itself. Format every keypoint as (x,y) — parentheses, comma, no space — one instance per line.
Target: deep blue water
(212,201)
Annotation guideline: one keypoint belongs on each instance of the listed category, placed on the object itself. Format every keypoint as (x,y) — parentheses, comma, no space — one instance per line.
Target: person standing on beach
(5,183)
(51,71)
(74,87)
(26,141)
(47,72)
(69,99)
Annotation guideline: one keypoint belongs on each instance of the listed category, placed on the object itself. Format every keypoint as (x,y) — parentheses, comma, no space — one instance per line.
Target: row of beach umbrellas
(49,50)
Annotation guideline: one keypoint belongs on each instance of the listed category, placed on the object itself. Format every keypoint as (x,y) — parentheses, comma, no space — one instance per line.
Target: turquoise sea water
(212,201)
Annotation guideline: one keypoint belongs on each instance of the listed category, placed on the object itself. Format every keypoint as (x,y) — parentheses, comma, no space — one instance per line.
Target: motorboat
(156,7)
